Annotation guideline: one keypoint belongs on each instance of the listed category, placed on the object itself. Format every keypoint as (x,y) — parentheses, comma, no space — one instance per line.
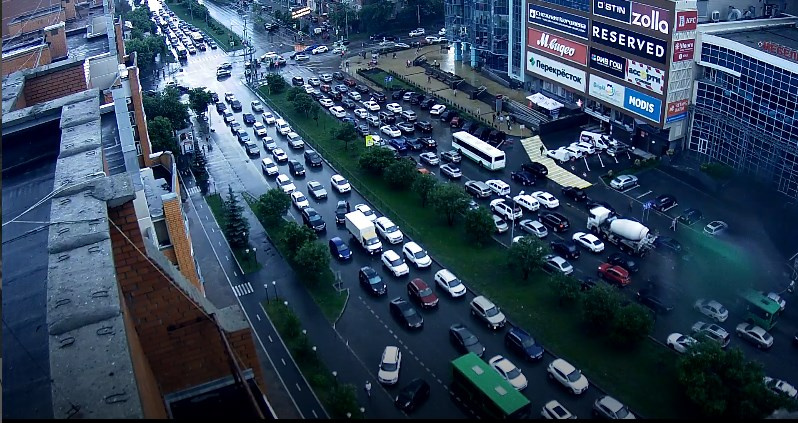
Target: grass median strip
(628,374)
(212,27)
(246,257)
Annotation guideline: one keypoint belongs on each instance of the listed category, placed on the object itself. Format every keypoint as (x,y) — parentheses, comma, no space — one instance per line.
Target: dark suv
(535,168)
(297,81)
(379,97)
(650,298)
(554,220)
(312,158)
(665,202)
(427,104)
(424,126)
(565,249)
(520,342)
(387,116)
(690,216)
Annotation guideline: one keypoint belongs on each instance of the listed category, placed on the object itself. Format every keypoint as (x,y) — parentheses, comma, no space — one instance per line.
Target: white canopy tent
(537,98)
(550,104)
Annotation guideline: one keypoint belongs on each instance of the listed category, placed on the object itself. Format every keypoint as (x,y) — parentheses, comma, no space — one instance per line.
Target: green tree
(276,83)
(400,174)
(479,225)
(303,103)
(294,235)
(273,205)
(375,160)
(199,99)
(566,287)
(345,133)
(167,104)
(162,136)
(236,228)
(631,324)
(600,305)
(376,15)
(312,259)
(315,112)
(293,92)
(423,185)
(427,10)
(449,200)
(199,168)
(526,255)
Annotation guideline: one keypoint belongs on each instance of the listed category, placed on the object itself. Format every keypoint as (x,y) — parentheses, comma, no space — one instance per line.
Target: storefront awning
(537,98)
(550,104)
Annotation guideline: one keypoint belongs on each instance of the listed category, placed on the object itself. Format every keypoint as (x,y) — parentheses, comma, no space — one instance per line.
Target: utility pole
(346,21)
(418,15)
(248,51)
(191,11)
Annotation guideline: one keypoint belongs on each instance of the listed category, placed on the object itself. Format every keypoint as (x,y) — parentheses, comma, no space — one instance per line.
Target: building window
(162,232)
(583,5)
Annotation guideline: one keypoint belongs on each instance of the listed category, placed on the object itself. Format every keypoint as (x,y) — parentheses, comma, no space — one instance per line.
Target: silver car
(623,182)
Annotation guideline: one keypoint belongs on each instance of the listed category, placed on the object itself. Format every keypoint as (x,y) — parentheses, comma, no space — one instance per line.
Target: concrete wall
(52,85)
(37,57)
(35,24)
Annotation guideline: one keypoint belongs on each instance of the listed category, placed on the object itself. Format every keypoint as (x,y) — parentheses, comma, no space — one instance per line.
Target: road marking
(283,360)
(298,388)
(258,316)
(270,338)
(243,289)
(643,194)
(314,413)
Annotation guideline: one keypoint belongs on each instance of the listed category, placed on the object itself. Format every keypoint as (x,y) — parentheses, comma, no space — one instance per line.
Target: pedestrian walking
(508,123)
(494,118)
(454,92)
(348,207)
(542,150)
(631,205)
(429,79)
(477,111)
(394,55)
(673,224)
(368,388)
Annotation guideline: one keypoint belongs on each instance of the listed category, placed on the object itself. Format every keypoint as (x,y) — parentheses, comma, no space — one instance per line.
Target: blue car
(339,249)
(520,342)
(399,144)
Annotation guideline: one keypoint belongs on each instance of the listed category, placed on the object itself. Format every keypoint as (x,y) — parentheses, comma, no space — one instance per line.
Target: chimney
(69,9)
(55,37)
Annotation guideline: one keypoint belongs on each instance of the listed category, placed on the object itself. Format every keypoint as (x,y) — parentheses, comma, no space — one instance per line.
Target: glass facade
(518,29)
(583,5)
(749,122)
(484,24)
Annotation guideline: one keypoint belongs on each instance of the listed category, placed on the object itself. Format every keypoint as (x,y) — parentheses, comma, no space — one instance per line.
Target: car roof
(390,254)
(611,403)
(391,354)
(483,301)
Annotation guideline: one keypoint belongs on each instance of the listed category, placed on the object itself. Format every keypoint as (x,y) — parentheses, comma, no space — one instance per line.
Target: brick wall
(120,43)
(182,344)
(55,36)
(173,213)
(54,85)
(35,24)
(141,119)
(27,61)
(69,8)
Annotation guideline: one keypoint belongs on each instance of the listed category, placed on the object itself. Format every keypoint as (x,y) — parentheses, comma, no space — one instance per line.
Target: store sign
(779,50)
(556,45)
(642,104)
(630,42)
(561,21)
(609,63)
(683,50)
(686,20)
(645,76)
(556,71)
(607,91)
(677,111)
(635,14)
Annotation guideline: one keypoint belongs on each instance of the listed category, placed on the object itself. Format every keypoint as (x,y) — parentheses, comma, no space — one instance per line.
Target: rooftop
(44,11)
(769,40)
(81,47)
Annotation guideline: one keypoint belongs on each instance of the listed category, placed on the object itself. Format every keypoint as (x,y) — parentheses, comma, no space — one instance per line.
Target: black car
(447,115)
(587,283)
(371,281)
(312,158)
(403,311)
(397,95)
(429,142)
(574,193)
(669,244)
(415,145)
(566,249)
(690,216)
(297,81)
(348,103)
(387,116)
(362,129)
(220,107)
(340,212)
(313,220)
(650,298)
(497,137)
(523,177)
(416,98)
(236,105)
(317,95)
(464,340)
(339,249)
(413,395)
(362,89)
(554,220)
(337,96)
(338,76)
(665,202)
(470,127)
(249,119)
(379,97)
(482,133)
(427,104)
(214,97)
(424,126)
(538,169)
(522,343)
(406,127)
(620,259)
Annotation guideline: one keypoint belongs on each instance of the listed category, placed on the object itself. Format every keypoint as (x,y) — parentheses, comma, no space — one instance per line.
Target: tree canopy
(449,200)
(479,225)
(526,255)
(162,136)
(199,99)
(168,105)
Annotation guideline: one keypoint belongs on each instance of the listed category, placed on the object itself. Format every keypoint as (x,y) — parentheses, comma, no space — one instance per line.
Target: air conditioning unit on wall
(715,16)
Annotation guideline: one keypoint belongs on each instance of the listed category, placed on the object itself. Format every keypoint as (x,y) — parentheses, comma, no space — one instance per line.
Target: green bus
(760,310)
(482,389)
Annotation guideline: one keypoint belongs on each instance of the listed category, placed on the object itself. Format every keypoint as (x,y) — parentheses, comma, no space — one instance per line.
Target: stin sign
(558,46)
(556,71)
(635,14)
(683,50)
(645,76)
(561,21)
(635,44)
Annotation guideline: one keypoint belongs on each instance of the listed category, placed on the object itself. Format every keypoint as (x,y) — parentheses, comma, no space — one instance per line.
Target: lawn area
(246,257)
(378,76)
(628,375)
(221,34)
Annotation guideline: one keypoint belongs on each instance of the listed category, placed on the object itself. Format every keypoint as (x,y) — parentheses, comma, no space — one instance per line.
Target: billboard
(556,71)
(560,21)
(645,76)
(642,104)
(609,63)
(606,91)
(683,50)
(633,43)
(686,20)
(677,111)
(635,14)
(558,46)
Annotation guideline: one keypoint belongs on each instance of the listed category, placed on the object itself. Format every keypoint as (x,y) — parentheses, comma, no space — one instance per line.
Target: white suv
(394,263)
(509,212)
(485,309)
(417,255)
(447,281)
(388,230)
(391,362)
(568,375)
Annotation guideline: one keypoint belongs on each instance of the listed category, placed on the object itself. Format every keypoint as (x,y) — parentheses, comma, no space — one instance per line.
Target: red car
(325,88)
(419,291)
(614,274)
(349,82)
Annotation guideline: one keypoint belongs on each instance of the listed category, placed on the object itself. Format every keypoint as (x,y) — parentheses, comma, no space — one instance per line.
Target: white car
(553,410)
(429,158)
(371,105)
(367,211)
(527,201)
(319,49)
(354,95)
(388,230)
(391,362)
(314,81)
(498,186)
(575,152)
(500,224)
(268,143)
(299,200)
(546,200)
(256,106)
(269,167)
(284,182)
(416,255)
(509,372)
(308,88)
(361,113)
(416,32)
(326,102)
(326,77)
(777,298)
(508,211)
(338,112)
(781,387)
(437,109)
(568,375)
(712,309)
(260,129)
(680,343)
(534,227)
(279,155)
(394,263)
(623,182)
(268,118)
(584,147)
(340,184)
(391,131)
(558,264)
(589,241)
(394,107)
(447,281)
(451,171)
(338,50)
(715,227)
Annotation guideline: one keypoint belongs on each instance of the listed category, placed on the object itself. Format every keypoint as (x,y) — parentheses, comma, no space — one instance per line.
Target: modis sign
(645,76)
(556,71)
(642,104)
(561,21)
(635,14)
(609,63)
(630,42)
(558,46)
(686,20)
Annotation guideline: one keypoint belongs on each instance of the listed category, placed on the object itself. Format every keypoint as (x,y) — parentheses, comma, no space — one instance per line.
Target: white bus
(477,150)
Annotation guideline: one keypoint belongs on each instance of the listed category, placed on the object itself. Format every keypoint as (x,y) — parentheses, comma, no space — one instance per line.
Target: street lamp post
(274,284)
(512,225)
(266,287)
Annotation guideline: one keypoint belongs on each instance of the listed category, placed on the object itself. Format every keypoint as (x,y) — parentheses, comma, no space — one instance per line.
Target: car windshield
(574,375)
(314,217)
(425,292)
(514,373)
(388,367)
(375,280)
(454,283)
(391,229)
(469,340)
(622,413)
(342,182)
(372,241)
(492,311)
(409,312)
(395,262)
(420,254)
(343,249)
(528,342)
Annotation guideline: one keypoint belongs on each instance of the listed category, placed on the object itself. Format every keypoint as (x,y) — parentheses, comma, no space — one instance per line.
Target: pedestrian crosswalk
(556,173)
(243,289)
(193,190)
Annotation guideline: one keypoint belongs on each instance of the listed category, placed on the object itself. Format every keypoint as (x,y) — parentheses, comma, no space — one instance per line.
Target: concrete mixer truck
(630,236)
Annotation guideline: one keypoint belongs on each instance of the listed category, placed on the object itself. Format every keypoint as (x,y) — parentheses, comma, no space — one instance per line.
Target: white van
(560,155)
(600,141)
(498,186)
(282,127)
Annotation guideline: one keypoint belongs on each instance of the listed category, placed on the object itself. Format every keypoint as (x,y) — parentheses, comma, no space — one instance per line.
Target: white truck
(363,230)
(630,236)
